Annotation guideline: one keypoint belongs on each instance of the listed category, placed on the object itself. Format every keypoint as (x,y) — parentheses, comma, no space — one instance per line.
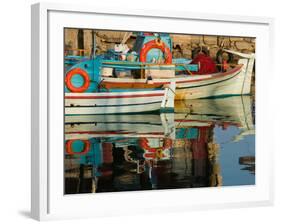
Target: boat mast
(93,54)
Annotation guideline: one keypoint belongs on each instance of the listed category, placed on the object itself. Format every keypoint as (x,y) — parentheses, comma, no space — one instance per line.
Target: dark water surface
(204,143)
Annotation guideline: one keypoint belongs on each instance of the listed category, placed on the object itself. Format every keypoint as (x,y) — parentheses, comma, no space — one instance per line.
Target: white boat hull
(236,83)
(116,109)
(120,102)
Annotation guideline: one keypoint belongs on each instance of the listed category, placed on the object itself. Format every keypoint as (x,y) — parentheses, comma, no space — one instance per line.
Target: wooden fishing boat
(234,81)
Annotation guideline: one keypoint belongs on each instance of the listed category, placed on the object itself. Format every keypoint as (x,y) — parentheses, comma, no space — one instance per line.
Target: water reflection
(204,143)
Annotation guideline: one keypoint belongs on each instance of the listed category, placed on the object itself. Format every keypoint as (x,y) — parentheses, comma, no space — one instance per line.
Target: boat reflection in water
(207,142)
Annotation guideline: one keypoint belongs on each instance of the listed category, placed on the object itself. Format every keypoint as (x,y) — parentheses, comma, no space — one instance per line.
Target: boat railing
(147,65)
(242,55)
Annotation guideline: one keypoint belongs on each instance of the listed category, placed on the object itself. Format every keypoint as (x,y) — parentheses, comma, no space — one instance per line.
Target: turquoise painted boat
(149,65)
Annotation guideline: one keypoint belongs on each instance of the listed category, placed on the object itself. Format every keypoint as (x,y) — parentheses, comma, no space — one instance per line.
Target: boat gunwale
(195,78)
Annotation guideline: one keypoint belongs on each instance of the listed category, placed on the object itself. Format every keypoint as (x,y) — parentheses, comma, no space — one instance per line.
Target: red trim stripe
(117,96)
(232,71)
(184,120)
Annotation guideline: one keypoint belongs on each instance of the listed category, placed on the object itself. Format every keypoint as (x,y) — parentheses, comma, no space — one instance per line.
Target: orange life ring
(85,76)
(159,45)
(69,150)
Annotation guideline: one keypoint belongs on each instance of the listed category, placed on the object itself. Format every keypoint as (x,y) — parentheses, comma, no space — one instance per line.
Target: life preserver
(158,44)
(85,76)
(69,149)
(198,50)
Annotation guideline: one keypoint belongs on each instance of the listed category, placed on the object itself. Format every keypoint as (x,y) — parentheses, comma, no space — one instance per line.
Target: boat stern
(248,61)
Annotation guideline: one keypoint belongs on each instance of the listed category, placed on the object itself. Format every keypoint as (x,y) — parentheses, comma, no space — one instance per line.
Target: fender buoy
(219,57)
(223,63)
(198,50)
(85,76)
(158,44)
(69,149)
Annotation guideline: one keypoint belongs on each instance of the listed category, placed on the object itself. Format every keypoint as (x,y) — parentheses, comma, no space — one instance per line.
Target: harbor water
(204,143)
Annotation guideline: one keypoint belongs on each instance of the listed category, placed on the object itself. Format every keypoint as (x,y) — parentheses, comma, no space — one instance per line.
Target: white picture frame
(48,201)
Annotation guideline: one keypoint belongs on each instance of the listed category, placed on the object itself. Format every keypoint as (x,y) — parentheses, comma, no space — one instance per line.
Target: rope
(99,84)
(188,71)
(171,90)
